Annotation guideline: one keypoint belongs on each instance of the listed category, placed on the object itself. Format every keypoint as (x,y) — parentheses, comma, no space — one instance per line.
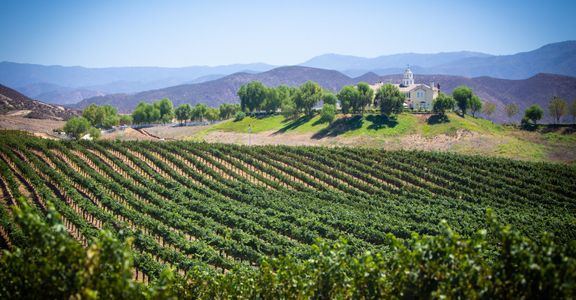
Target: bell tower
(408,78)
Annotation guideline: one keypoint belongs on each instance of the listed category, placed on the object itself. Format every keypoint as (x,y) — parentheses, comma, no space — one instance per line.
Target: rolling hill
(537,89)
(14,103)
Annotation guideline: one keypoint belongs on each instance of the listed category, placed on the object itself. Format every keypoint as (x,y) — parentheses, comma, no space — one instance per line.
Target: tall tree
(166,110)
(183,112)
(462,95)
(77,127)
(534,113)
(475,105)
(488,108)
(347,95)
(442,103)
(390,99)
(557,108)
(308,95)
(328,113)
(273,100)
(366,96)
(227,110)
(252,96)
(511,110)
(329,98)
(199,112)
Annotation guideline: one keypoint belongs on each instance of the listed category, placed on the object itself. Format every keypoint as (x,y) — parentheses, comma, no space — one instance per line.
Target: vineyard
(221,207)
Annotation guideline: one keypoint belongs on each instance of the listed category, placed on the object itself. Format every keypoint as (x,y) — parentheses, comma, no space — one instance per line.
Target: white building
(418,96)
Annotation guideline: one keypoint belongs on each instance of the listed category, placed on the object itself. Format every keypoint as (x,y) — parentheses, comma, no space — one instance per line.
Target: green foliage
(273,100)
(77,127)
(212,114)
(329,98)
(328,113)
(488,108)
(365,99)
(390,99)
(252,96)
(475,105)
(534,113)
(166,110)
(443,103)
(183,112)
(239,116)
(105,116)
(146,113)
(347,95)
(227,111)
(95,133)
(199,112)
(512,110)
(125,120)
(557,108)
(53,266)
(308,95)
(462,95)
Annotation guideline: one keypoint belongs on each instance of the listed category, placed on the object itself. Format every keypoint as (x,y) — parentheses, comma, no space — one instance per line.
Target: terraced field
(220,207)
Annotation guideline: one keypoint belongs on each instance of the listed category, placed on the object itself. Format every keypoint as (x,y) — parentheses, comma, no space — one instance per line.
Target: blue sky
(174,33)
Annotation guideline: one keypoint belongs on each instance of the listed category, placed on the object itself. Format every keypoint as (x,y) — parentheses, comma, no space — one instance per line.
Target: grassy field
(457,134)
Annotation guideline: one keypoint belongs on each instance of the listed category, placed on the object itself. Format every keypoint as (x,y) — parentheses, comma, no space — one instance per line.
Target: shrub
(239,116)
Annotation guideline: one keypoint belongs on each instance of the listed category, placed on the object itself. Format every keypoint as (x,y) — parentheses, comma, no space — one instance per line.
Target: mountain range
(68,85)
(538,89)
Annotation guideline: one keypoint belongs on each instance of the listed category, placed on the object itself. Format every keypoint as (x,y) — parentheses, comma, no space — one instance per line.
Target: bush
(239,116)
(77,127)
(328,113)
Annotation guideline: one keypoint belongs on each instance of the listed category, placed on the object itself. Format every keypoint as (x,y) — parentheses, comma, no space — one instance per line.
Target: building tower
(408,78)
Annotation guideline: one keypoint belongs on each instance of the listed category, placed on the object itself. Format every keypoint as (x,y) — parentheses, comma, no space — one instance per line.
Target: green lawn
(455,122)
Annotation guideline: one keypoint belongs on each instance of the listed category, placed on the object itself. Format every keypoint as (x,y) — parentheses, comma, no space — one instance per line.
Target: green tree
(488,108)
(239,116)
(390,99)
(94,132)
(366,96)
(475,105)
(346,96)
(125,120)
(534,113)
(146,113)
(442,103)
(309,94)
(212,114)
(183,112)
(105,116)
(328,113)
(462,95)
(557,108)
(252,96)
(77,127)
(329,98)
(511,110)
(227,111)
(273,100)
(166,110)
(199,112)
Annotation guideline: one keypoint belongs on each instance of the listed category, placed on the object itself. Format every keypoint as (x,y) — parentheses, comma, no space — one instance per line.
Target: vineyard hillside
(220,207)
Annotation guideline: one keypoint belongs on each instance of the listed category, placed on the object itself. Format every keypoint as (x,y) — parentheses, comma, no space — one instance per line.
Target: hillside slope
(14,103)
(538,89)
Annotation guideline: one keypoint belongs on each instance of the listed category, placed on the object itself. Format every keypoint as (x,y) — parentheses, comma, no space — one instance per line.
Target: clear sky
(172,33)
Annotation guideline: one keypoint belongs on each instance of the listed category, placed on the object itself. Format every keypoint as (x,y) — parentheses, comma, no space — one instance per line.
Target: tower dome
(408,78)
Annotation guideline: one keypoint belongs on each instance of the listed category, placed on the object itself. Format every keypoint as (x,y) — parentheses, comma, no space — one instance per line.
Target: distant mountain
(537,89)
(14,103)
(557,58)
(49,81)
(386,64)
